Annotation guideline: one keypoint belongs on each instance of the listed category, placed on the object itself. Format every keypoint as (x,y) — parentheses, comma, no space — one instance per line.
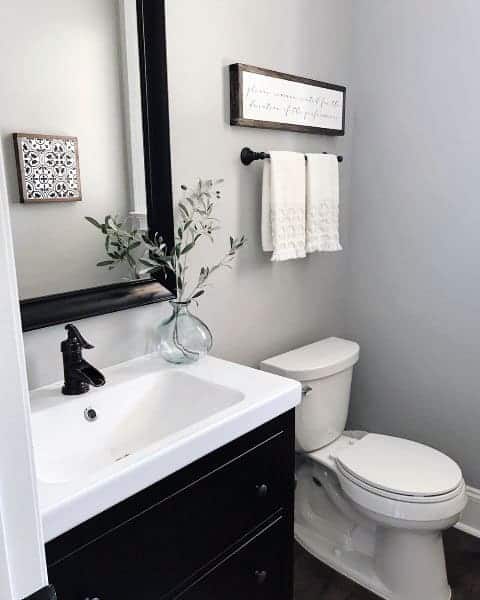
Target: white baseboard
(470,521)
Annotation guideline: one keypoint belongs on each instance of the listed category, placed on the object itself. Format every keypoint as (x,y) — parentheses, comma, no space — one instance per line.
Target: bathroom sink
(95,430)
(149,420)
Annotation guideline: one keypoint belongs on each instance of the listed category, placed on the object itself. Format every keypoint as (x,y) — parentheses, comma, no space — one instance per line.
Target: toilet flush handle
(306,389)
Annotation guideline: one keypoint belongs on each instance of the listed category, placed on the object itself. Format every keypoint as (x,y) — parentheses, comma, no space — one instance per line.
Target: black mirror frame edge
(79,304)
(46,593)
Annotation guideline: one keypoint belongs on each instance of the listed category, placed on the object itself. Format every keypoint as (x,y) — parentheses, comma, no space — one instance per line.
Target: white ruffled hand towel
(283,205)
(322,226)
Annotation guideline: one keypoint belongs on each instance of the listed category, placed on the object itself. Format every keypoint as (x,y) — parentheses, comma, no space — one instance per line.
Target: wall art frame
(269,99)
(48,167)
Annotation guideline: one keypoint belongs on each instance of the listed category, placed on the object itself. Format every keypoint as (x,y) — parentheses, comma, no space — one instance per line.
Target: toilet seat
(396,496)
(399,468)
(442,509)
(400,479)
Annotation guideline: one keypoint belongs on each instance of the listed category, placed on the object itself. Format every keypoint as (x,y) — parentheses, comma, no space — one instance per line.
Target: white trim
(22,555)
(470,521)
(133,104)
(6,590)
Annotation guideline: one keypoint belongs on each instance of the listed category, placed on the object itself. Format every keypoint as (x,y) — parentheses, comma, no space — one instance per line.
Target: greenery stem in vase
(182,337)
(122,244)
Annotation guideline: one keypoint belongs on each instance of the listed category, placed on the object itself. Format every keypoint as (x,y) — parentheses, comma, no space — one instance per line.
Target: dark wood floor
(315,581)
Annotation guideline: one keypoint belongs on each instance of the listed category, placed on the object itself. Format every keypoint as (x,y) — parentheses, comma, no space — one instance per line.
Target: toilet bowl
(371,506)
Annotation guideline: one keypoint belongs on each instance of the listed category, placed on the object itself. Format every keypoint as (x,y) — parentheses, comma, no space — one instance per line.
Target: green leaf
(147,263)
(105,263)
(188,247)
(93,222)
(198,294)
(183,210)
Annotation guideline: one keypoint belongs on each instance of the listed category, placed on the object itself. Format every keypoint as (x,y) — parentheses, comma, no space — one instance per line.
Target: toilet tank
(325,371)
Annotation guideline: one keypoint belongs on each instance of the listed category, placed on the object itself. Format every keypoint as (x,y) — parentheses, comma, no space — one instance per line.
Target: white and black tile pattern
(48,168)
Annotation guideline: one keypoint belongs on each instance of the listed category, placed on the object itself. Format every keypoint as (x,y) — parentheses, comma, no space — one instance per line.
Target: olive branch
(194,221)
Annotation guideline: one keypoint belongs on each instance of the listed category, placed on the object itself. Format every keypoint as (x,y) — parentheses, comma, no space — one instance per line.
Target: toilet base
(395,564)
(357,567)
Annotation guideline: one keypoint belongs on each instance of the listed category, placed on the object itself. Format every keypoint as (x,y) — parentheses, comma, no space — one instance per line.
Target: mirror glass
(71,91)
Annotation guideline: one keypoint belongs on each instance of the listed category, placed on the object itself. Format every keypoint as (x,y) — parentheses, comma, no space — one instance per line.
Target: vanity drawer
(166,544)
(258,570)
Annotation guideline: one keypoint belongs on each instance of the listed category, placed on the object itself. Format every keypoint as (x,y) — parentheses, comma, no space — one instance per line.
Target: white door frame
(22,552)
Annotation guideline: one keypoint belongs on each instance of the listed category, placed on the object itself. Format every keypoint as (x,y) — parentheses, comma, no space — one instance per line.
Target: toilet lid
(400,466)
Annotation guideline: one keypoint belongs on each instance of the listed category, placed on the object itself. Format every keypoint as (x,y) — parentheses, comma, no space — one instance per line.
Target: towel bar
(247,156)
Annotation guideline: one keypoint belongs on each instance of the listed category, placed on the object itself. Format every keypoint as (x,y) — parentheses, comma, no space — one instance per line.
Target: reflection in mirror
(74,72)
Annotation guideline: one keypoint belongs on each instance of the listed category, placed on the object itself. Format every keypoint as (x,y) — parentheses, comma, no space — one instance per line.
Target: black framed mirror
(150,52)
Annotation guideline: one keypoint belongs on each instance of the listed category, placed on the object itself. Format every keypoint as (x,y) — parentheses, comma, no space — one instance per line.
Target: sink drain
(90,414)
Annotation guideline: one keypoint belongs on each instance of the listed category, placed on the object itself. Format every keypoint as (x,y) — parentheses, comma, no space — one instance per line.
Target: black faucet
(79,374)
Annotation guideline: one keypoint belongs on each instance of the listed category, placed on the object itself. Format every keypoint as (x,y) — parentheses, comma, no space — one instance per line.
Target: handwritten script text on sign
(279,100)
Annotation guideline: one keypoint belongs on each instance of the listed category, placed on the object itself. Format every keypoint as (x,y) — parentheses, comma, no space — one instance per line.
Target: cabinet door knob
(260,576)
(262,490)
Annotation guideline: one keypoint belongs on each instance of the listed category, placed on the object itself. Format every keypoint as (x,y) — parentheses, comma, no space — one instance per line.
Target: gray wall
(258,309)
(415,246)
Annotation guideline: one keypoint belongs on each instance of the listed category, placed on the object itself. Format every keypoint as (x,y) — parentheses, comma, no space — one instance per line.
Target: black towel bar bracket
(247,156)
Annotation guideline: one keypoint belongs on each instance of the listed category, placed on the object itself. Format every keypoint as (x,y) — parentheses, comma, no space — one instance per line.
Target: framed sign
(272,100)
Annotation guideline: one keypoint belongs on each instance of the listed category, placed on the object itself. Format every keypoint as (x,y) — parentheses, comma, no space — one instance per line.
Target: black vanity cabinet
(221,528)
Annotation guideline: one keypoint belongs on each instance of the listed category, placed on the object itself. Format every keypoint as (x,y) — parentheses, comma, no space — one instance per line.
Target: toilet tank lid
(320,359)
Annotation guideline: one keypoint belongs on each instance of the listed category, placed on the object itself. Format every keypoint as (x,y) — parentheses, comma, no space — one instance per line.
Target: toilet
(371,506)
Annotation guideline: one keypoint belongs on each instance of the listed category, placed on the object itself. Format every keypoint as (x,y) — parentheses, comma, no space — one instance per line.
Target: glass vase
(183,337)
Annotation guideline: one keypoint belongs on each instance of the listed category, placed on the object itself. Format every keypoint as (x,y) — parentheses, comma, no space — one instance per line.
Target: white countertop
(58,422)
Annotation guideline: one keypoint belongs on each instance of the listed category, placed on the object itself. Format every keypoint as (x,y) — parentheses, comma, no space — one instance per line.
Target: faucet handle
(74,336)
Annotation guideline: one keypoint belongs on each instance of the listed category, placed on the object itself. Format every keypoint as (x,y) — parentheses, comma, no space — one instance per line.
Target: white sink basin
(130,416)
(152,419)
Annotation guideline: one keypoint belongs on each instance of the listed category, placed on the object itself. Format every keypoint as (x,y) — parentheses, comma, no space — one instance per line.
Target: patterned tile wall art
(48,167)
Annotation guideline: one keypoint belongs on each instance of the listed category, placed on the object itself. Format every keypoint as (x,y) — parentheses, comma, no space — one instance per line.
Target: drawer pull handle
(262,490)
(261,577)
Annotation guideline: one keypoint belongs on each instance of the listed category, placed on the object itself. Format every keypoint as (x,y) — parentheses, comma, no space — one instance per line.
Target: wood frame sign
(272,100)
